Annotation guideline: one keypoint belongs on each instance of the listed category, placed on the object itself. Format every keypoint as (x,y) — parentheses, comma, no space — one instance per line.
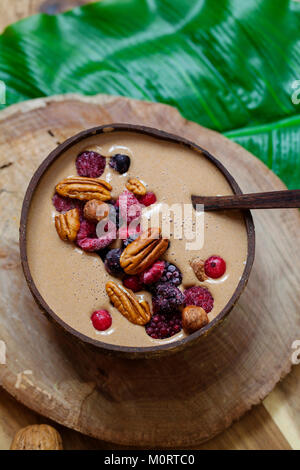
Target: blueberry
(130,240)
(120,163)
(112,261)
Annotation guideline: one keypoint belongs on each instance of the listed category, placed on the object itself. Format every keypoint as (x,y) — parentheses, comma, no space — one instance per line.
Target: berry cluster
(161,279)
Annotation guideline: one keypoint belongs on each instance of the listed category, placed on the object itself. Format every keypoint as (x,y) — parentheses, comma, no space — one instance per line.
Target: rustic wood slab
(14,10)
(178,401)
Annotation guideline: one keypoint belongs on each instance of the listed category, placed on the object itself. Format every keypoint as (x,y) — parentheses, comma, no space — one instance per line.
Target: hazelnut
(197,265)
(95,210)
(193,318)
(37,437)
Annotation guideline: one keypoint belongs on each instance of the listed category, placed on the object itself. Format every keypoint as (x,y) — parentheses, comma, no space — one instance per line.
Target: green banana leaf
(227,64)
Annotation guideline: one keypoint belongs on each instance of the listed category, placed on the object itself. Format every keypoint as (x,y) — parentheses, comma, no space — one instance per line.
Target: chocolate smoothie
(72,282)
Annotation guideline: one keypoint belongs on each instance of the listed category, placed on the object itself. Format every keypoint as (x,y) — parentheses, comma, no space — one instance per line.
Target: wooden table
(275,424)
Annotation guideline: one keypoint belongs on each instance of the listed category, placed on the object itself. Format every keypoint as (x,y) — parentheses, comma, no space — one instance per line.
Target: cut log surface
(181,400)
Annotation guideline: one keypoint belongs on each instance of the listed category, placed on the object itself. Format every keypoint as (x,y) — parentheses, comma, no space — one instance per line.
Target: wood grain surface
(273,425)
(215,383)
(14,10)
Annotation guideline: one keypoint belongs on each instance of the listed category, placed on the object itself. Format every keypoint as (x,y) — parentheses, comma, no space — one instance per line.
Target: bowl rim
(100,345)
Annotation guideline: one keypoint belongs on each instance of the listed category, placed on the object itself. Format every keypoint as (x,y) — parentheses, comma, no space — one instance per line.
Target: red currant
(214,267)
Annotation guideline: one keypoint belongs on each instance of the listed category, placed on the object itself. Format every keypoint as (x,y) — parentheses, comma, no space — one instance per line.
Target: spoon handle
(268,200)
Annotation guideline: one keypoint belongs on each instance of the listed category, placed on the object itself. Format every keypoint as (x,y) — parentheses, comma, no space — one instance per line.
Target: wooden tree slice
(175,401)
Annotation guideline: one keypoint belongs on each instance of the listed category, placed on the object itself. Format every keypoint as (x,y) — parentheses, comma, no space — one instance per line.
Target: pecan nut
(193,318)
(142,252)
(197,265)
(68,224)
(128,305)
(85,189)
(136,187)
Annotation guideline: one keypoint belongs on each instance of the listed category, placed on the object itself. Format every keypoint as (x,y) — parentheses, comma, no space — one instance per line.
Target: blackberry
(166,298)
(164,326)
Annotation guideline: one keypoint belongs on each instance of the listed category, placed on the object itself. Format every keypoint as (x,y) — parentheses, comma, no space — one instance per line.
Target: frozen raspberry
(148,199)
(87,239)
(112,261)
(163,326)
(129,234)
(120,163)
(90,164)
(133,283)
(130,208)
(65,204)
(101,320)
(171,274)
(154,273)
(199,296)
(166,298)
(214,267)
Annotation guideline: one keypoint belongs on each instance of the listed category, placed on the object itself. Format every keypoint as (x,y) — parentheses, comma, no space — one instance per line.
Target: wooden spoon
(269,200)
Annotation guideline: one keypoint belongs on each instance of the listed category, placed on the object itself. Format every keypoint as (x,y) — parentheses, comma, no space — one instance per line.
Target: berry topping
(163,326)
(129,206)
(199,296)
(101,320)
(167,298)
(87,239)
(129,234)
(129,240)
(214,267)
(171,274)
(148,199)
(154,273)
(133,283)
(90,164)
(112,261)
(65,204)
(120,163)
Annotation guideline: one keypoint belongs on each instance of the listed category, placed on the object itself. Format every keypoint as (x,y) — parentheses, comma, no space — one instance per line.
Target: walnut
(136,187)
(37,437)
